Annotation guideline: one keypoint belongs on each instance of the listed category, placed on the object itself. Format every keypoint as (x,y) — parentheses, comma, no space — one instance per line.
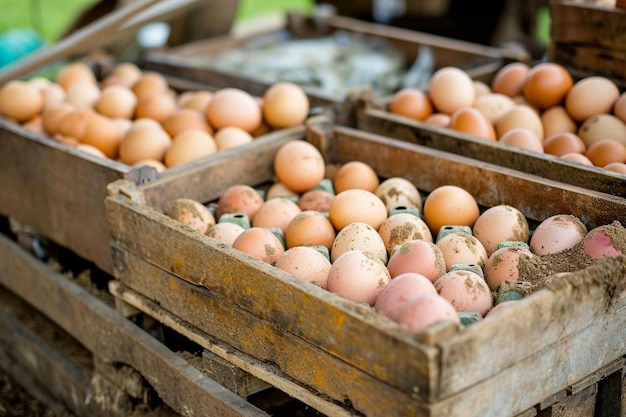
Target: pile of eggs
(417,260)
(135,117)
(538,108)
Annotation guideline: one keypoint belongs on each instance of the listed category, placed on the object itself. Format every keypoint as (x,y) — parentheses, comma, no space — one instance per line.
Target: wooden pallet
(320,341)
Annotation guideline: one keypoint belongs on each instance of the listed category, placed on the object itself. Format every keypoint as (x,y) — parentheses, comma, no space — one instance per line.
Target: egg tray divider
(184,60)
(327,350)
(371,114)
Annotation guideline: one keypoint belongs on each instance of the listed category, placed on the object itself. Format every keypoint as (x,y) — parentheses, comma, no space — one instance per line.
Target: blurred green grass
(51,18)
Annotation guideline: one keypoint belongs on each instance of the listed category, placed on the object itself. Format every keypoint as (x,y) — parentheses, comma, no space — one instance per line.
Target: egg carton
(344,358)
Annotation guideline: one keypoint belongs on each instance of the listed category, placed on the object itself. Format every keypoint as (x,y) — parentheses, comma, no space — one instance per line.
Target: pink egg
(503,265)
(426,309)
(462,248)
(419,256)
(358,276)
(401,228)
(466,291)
(556,234)
(401,289)
(305,263)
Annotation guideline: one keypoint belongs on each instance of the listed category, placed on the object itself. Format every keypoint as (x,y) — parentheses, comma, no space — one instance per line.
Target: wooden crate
(372,115)
(193,60)
(333,354)
(589,38)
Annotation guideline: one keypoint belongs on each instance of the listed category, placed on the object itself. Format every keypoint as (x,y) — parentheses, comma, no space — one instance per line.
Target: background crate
(588,38)
(339,351)
(372,115)
(193,60)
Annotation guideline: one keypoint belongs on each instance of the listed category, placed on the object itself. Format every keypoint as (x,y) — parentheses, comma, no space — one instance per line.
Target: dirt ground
(15,401)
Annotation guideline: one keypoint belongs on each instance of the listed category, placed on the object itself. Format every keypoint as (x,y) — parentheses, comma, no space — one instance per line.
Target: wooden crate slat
(95,325)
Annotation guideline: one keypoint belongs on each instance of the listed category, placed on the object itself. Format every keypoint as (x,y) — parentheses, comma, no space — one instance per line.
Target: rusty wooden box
(196,60)
(588,37)
(340,357)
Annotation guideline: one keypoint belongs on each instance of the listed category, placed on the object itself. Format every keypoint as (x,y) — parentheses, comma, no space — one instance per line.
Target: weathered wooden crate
(372,115)
(193,60)
(92,359)
(588,37)
(343,358)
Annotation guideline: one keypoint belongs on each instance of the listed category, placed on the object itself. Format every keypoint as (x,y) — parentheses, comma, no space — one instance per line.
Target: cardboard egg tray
(58,191)
(193,61)
(345,359)
(588,38)
(372,115)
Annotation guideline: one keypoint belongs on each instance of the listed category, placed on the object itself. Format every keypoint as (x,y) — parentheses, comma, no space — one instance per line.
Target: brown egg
(276,212)
(449,205)
(547,84)
(358,236)
(128,72)
(619,109)
(493,105)
(285,104)
(355,174)
(521,137)
(358,276)
(225,232)
(466,291)
(399,192)
(51,117)
(192,213)
(500,223)
(117,101)
(75,72)
(481,88)
(92,150)
(357,205)
(73,123)
(600,127)
(195,100)
(400,290)
(425,310)
(83,95)
(278,189)
(577,157)
(317,199)
(231,137)
(310,228)
(189,145)
(401,228)
(53,95)
(420,256)
(184,118)
(591,96)
(158,106)
(438,119)
(305,263)
(510,79)
(606,151)
(412,103)
(240,198)
(560,144)
(503,265)
(103,133)
(34,125)
(234,107)
(450,89)
(557,233)
(299,165)
(150,83)
(461,248)
(520,116)
(260,243)
(144,143)
(618,167)
(557,120)
(20,101)
(471,121)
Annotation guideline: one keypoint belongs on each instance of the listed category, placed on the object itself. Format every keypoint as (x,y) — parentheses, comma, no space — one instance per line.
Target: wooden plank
(59,191)
(231,376)
(591,58)
(491,185)
(581,404)
(270,341)
(588,24)
(371,116)
(95,325)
